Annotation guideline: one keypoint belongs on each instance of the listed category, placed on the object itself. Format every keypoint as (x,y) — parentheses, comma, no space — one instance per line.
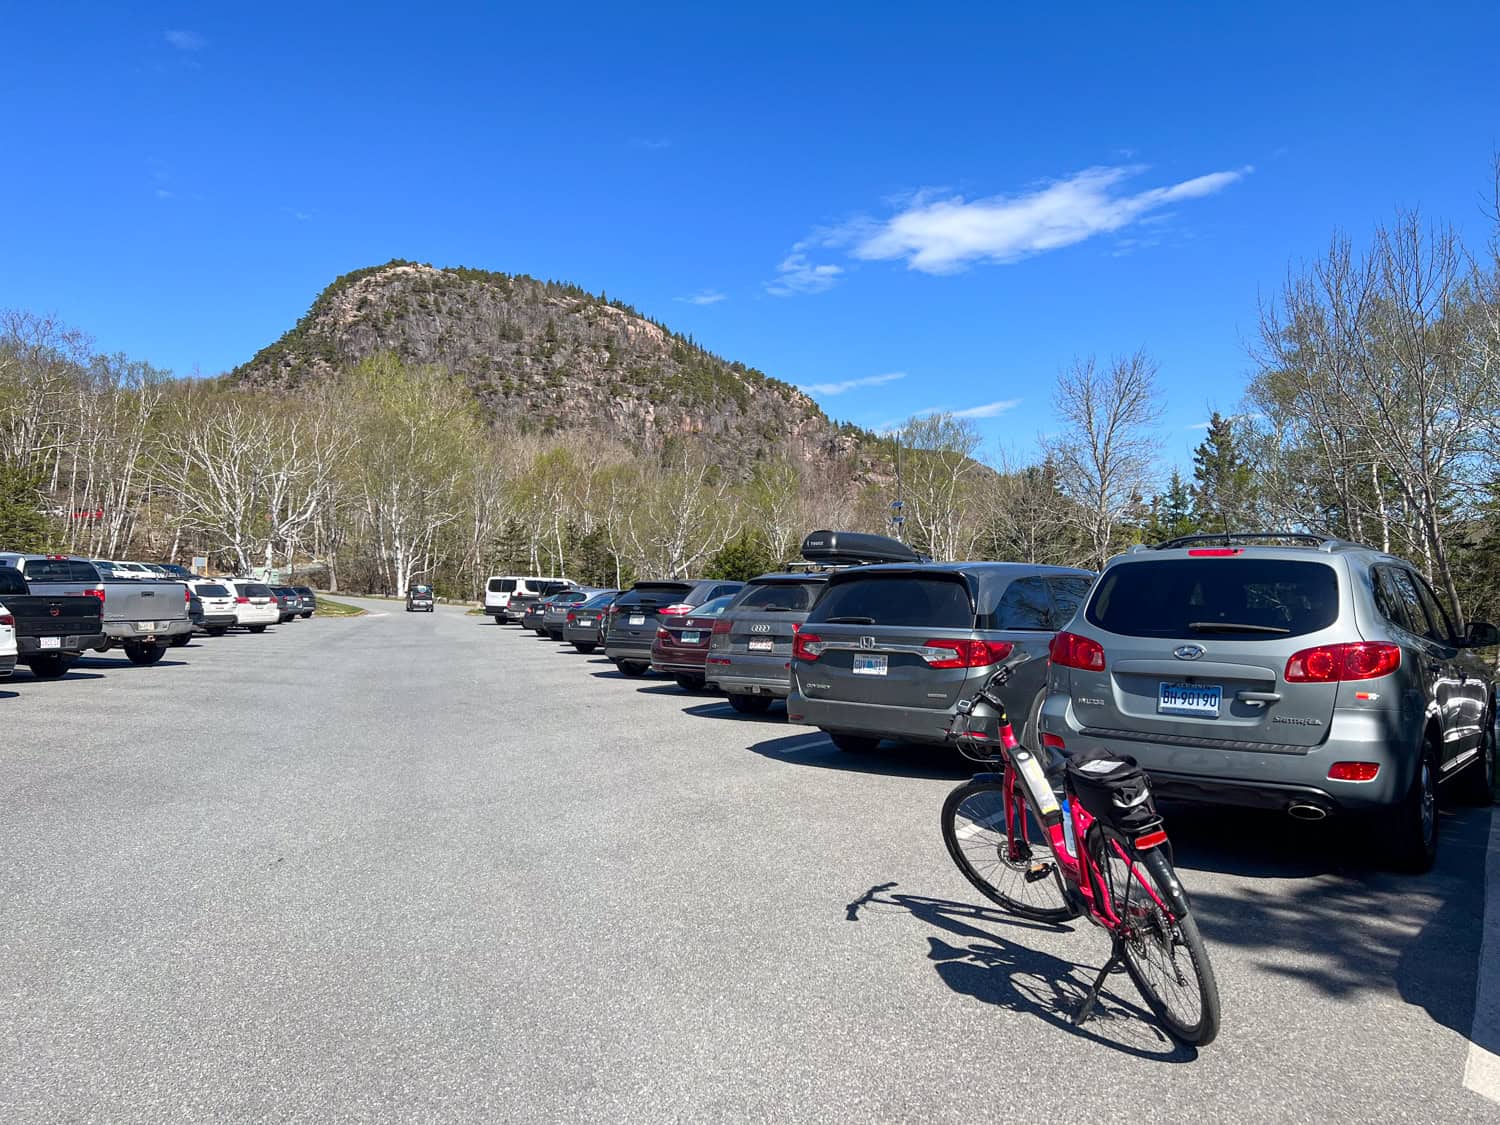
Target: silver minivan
(1313,676)
(890,651)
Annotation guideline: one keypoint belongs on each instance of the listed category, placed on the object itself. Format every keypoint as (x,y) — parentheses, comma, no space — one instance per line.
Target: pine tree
(23,527)
(1221,479)
(1172,512)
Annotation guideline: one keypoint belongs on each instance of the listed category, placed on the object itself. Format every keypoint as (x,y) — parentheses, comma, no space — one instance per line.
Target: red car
(681,644)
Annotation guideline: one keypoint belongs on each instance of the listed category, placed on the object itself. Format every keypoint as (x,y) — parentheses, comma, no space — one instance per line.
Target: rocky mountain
(552,357)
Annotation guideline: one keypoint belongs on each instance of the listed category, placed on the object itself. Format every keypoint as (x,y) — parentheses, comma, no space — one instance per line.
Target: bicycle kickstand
(1113,965)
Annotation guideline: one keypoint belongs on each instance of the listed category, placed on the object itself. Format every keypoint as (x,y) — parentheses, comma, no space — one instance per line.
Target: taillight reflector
(1151,840)
(1053,742)
(1072,651)
(966,654)
(721,626)
(1331,664)
(807,646)
(1353,771)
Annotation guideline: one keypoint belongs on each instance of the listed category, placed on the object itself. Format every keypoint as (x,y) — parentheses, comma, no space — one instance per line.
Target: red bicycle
(1097,849)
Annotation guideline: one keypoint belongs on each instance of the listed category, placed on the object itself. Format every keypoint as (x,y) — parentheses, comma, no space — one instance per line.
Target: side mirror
(1482,635)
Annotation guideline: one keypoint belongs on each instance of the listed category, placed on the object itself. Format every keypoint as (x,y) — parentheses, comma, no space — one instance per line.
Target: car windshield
(211,591)
(1244,598)
(421,590)
(784,597)
(899,600)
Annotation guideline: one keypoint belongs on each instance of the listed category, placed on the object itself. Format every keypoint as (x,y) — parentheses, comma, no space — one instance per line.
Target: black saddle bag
(1113,788)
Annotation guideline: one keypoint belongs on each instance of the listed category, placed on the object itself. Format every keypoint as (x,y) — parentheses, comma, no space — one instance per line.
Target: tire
(1410,827)
(218,630)
(181,639)
(144,654)
(554,634)
(979,844)
(257,628)
(307,616)
(586,649)
(631,668)
(49,667)
(690,683)
(853,743)
(1163,951)
(1476,782)
(750,704)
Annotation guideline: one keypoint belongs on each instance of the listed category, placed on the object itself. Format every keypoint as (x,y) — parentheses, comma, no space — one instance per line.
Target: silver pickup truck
(140,615)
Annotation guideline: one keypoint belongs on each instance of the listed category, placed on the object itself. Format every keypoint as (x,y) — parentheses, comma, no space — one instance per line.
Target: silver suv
(1285,672)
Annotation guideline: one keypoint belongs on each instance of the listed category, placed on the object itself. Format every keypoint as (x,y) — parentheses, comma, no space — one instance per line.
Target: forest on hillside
(1373,413)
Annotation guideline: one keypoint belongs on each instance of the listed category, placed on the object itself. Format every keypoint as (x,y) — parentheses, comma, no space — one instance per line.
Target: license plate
(1201,700)
(584,621)
(760,644)
(691,638)
(49,642)
(869,665)
(145,626)
(637,619)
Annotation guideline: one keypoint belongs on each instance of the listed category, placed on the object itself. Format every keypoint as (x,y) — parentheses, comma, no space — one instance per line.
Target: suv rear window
(793,597)
(211,591)
(656,594)
(1270,598)
(255,590)
(929,602)
(60,570)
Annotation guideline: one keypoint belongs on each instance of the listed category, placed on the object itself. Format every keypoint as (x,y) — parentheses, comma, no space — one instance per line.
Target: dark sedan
(584,623)
(681,643)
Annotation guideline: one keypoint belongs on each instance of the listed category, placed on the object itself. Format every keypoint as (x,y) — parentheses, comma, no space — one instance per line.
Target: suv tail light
(966,654)
(1072,651)
(662,634)
(7,619)
(676,610)
(241,600)
(1331,664)
(719,639)
(572,617)
(806,646)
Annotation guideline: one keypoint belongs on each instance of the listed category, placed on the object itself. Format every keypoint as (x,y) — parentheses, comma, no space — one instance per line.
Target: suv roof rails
(1226,538)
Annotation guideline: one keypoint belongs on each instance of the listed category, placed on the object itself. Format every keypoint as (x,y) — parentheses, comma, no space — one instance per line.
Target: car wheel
(1476,785)
(554,634)
(144,654)
(307,616)
(181,639)
(1411,826)
(49,667)
(852,743)
(631,668)
(218,630)
(690,683)
(257,628)
(750,704)
(586,649)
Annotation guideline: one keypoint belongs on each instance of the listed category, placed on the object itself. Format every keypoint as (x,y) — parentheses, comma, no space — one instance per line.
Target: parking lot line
(1482,1071)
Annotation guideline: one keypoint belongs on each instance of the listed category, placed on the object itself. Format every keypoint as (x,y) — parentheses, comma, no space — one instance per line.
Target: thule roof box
(851,548)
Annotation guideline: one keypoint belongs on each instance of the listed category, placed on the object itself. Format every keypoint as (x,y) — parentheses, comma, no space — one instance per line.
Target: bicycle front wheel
(1010,864)
(1164,954)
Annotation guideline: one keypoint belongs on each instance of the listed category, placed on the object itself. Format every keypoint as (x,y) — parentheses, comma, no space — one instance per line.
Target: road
(422,867)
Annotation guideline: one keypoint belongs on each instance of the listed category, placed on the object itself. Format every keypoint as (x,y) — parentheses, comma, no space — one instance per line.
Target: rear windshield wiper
(849,621)
(1232,627)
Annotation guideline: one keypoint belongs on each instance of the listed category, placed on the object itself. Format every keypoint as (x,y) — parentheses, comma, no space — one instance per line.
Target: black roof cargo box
(850,548)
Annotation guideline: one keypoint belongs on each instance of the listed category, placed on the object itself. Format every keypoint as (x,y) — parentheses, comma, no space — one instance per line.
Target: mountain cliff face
(551,357)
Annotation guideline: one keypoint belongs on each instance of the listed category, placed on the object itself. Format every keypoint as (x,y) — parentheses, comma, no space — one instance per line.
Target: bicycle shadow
(1021,979)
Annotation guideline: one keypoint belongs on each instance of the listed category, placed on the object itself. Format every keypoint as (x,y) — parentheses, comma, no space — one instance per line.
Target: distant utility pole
(898,505)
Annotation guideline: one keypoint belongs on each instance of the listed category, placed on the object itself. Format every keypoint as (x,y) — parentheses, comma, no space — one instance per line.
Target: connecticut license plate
(1201,700)
(869,665)
(145,626)
(585,621)
(637,619)
(49,642)
(690,637)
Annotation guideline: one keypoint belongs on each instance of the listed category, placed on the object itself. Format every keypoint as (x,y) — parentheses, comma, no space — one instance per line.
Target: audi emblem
(762,628)
(1188,652)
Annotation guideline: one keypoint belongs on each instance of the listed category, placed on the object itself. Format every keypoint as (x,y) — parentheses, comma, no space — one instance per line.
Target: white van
(501,588)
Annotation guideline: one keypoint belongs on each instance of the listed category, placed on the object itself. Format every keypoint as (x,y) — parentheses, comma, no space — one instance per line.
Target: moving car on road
(889,651)
(49,631)
(1285,672)
(584,623)
(634,617)
(218,606)
(255,606)
(750,655)
(419,598)
(681,645)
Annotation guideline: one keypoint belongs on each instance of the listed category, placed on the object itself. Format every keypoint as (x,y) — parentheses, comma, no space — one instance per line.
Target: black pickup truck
(52,630)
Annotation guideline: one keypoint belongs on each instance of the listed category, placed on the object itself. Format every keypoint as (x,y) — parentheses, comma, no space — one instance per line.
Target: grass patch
(327,607)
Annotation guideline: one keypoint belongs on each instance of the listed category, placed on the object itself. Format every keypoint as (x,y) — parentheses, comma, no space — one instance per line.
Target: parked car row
(1271,670)
(56,608)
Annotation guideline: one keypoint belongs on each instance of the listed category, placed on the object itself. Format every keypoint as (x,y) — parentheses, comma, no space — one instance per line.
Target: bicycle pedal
(1038,873)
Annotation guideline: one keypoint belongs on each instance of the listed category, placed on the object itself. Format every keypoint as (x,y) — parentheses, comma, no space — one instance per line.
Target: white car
(218,601)
(255,606)
(499,590)
(7,643)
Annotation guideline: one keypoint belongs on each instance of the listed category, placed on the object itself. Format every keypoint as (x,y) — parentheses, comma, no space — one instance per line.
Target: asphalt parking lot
(420,867)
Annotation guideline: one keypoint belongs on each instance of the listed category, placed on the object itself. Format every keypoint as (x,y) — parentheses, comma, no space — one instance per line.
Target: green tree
(1172,512)
(1221,479)
(742,558)
(23,527)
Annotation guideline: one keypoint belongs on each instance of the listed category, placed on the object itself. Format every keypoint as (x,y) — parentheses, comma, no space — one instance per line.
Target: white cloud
(948,235)
(185,40)
(798,275)
(988,409)
(163,193)
(850,384)
(704,297)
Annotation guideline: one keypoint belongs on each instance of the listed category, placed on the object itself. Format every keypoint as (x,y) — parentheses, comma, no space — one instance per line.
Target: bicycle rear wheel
(1164,955)
(1023,878)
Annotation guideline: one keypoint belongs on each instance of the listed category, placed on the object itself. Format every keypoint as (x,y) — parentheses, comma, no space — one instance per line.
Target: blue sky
(902,209)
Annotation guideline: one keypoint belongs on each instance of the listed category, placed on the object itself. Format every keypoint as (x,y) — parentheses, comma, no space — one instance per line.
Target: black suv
(633,616)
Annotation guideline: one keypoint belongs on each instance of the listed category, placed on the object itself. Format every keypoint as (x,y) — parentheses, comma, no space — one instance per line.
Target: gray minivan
(1307,675)
(889,651)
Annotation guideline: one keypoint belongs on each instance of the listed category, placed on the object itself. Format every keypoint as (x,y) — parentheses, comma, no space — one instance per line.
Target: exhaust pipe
(1300,810)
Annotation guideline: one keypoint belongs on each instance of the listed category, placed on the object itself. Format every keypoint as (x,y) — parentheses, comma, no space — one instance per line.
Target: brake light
(1150,840)
(7,619)
(1331,664)
(96,592)
(663,635)
(572,617)
(1054,742)
(676,610)
(1214,553)
(187,595)
(721,626)
(807,646)
(1072,651)
(966,654)
(1353,771)
(242,600)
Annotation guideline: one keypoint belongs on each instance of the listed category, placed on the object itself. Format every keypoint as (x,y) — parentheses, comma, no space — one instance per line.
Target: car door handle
(1259,698)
